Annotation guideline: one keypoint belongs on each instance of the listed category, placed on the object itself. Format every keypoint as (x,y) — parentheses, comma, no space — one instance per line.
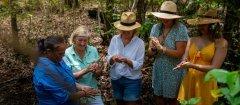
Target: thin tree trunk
(141,10)
(108,15)
(14,26)
(76,4)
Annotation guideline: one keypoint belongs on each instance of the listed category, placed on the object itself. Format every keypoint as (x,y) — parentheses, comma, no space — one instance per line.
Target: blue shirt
(53,82)
(134,51)
(76,63)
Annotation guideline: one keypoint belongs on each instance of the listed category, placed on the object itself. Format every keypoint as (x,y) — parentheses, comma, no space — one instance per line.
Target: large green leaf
(219,74)
(233,81)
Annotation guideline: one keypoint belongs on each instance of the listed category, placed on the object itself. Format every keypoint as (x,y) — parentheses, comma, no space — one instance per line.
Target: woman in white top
(126,56)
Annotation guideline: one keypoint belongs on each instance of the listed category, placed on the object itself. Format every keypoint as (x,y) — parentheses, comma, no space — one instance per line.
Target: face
(127,33)
(167,22)
(58,53)
(203,28)
(81,41)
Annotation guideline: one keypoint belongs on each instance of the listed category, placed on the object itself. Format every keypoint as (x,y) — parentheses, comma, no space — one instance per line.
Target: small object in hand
(175,68)
(154,49)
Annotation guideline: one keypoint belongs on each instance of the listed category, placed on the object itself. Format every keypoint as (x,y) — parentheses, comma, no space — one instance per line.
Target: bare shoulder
(193,39)
(221,42)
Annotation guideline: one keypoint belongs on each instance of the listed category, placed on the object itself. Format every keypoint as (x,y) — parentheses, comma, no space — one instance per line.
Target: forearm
(81,73)
(170,52)
(203,68)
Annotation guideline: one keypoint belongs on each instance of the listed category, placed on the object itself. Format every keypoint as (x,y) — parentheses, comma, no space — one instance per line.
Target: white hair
(80,31)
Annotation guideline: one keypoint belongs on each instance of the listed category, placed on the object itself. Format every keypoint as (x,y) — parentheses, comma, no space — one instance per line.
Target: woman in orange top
(203,53)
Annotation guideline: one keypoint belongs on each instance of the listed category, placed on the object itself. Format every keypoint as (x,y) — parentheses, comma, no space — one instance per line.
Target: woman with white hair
(82,58)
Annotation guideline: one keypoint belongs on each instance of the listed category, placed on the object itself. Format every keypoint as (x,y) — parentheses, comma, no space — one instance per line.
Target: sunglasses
(81,38)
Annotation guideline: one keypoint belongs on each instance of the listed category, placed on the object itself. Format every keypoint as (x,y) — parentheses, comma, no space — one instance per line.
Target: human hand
(155,42)
(94,67)
(117,58)
(89,91)
(183,64)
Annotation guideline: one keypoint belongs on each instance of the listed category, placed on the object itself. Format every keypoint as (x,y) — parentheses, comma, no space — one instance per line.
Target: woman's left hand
(93,67)
(97,69)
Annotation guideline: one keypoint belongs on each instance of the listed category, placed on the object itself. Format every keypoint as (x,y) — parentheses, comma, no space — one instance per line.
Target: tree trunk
(141,10)
(231,33)
(76,4)
(69,3)
(14,26)
(108,16)
(108,20)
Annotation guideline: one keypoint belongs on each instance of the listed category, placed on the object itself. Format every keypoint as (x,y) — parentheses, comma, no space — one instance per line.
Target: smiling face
(81,42)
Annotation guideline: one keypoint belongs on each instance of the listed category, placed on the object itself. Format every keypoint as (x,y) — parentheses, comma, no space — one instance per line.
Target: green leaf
(194,101)
(224,91)
(233,81)
(219,74)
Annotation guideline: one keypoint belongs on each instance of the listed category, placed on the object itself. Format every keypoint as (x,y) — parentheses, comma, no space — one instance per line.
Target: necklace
(164,35)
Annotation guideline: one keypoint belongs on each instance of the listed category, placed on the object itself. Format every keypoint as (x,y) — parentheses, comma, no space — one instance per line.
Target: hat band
(204,16)
(168,12)
(127,24)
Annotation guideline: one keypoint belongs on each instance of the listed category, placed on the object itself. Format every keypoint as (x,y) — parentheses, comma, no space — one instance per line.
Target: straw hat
(168,10)
(127,22)
(80,31)
(206,18)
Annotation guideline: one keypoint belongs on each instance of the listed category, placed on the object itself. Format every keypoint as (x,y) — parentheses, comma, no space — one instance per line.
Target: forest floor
(16,70)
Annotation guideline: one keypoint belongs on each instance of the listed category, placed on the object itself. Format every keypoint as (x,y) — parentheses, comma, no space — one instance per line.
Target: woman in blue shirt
(53,81)
(82,58)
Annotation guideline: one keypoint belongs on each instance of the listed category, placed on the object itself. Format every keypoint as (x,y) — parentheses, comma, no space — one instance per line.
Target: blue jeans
(127,89)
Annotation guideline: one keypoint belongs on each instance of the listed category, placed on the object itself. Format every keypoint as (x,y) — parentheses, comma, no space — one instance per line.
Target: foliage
(192,101)
(20,7)
(145,29)
(231,88)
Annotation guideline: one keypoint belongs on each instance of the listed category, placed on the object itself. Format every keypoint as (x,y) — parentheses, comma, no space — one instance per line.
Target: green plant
(192,101)
(231,85)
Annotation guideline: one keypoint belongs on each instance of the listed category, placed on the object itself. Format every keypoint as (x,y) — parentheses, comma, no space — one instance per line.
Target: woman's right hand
(183,64)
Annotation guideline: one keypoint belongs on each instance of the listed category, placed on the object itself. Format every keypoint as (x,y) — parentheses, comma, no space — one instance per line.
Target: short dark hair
(49,43)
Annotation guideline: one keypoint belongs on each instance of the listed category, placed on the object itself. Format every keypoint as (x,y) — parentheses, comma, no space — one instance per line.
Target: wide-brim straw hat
(127,22)
(168,10)
(207,18)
